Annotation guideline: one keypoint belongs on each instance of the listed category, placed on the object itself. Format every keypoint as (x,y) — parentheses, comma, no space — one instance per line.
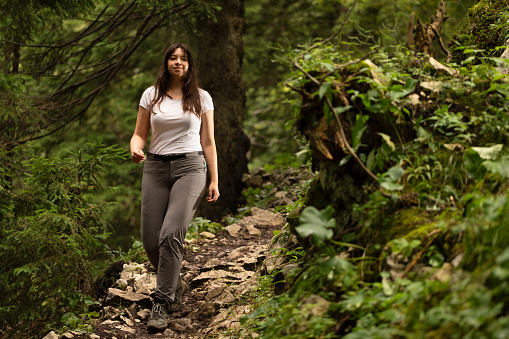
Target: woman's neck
(175,91)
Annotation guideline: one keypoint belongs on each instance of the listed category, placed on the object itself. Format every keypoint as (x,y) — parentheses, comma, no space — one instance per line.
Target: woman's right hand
(138,156)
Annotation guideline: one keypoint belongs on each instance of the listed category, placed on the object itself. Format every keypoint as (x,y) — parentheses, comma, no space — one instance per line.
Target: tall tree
(220,64)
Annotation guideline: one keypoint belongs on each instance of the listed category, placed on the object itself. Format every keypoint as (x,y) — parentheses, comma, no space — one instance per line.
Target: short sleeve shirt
(173,130)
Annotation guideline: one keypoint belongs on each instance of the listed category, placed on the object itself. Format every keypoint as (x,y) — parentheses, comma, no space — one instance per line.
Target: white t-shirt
(173,130)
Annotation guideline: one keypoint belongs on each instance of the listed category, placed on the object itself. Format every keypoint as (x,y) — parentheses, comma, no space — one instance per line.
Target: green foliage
(317,224)
(484,30)
(429,257)
(199,224)
(49,231)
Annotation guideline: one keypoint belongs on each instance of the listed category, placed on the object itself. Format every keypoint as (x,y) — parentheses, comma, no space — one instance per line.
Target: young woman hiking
(180,117)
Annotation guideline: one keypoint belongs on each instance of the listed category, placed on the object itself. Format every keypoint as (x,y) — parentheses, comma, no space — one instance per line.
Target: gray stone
(207,310)
(111,312)
(317,305)
(220,317)
(253,230)
(118,297)
(281,194)
(122,284)
(215,292)
(145,284)
(127,321)
(51,335)
(444,273)
(168,333)
(233,230)
(180,325)
(208,235)
(128,329)
(143,314)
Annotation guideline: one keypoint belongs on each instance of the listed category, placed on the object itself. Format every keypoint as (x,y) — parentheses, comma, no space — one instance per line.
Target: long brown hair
(191,100)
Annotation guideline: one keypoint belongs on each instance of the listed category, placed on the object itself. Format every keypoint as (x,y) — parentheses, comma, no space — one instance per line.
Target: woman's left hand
(213,193)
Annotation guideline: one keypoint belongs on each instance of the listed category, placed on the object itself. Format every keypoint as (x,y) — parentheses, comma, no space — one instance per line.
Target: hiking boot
(159,318)
(177,303)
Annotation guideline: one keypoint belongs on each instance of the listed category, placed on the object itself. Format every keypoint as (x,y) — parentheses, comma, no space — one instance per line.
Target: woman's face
(178,63)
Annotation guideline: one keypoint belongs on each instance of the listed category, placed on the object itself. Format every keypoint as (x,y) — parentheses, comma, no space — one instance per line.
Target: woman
(181,149)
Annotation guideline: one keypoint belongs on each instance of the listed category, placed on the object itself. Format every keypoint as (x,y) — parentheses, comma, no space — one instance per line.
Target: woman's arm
(140,135)
(208,145)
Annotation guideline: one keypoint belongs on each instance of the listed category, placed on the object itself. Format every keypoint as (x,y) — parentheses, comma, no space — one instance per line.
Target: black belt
(171,157)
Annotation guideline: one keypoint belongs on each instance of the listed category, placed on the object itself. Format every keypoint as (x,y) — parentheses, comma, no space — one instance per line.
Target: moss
(486,27)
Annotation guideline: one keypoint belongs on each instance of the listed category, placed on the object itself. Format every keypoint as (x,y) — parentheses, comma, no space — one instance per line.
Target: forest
(363,155)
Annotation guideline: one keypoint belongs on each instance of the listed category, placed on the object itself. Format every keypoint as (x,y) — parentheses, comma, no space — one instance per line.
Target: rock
(253,230)
(316,304)
(226,297)
(281,194)
(433,86)
(414,99)
(236,253)
(220,317)
(111,312)
(259,218)
(263,218)
(122,284)
(143,314)
(233,230)
(444,273)
(118,297)
(145,284)
(94,336)
(207,235)
(51,335)
(67,335)
(215,292)
(204,276)
(131,271)
(127,321)
(180,325)
(127,329)
(248,263)
(169,333)
(207,310)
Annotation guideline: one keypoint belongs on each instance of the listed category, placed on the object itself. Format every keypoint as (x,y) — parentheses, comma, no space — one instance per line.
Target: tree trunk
(220,50)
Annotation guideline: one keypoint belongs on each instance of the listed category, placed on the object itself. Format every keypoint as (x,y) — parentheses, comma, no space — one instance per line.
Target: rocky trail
(221,270)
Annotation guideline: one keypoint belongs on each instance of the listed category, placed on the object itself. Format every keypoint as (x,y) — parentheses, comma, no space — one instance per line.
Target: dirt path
(221,270)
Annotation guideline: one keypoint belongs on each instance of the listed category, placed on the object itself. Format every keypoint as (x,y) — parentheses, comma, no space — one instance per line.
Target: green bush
(48,232)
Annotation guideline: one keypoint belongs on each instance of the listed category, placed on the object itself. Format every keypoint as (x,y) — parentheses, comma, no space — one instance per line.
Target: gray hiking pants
(171,190)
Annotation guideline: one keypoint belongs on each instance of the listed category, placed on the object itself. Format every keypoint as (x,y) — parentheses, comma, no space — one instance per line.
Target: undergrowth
(428,254)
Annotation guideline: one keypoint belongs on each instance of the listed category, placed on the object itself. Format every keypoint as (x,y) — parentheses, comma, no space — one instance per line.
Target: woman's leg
(155,194)
(189,176)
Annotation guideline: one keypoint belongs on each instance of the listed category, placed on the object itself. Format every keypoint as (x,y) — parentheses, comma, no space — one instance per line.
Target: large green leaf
(500,166)
(317,224)
(489,153)
(472,162)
